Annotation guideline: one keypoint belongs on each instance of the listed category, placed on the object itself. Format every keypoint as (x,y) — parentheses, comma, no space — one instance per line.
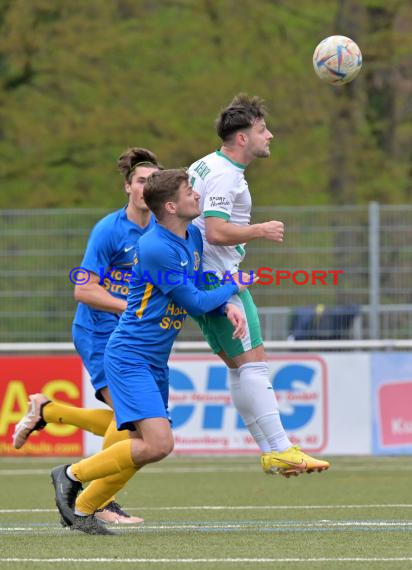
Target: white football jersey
(224,193)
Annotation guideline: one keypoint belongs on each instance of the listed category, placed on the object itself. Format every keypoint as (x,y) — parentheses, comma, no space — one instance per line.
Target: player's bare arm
(221,232)
(94,295)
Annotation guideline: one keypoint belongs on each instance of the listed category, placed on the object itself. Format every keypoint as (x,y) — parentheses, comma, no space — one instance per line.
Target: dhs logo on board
(204,416)
(301,386)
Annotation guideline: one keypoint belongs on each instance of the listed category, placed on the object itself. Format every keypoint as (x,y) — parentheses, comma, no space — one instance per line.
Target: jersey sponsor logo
(218,202)
(174,310)
(116,281)
(126,249)
(202,169)
(183,263)
(116,288)
(167,323)
(174,318)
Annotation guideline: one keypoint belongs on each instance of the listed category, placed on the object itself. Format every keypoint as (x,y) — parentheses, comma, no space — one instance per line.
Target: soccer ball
(337,60)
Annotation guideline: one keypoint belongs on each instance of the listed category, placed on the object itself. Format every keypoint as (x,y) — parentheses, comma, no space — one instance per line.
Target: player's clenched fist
(273,230)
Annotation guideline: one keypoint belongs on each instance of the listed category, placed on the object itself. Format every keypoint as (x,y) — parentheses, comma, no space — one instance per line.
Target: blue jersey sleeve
(197,302)
(99,249)
(163,267)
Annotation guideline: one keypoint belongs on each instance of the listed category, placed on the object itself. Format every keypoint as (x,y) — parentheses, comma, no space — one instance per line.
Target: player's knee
(163,448)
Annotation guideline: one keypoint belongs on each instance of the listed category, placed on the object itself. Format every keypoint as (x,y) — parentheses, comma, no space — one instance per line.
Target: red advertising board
(59,378)
(395,414)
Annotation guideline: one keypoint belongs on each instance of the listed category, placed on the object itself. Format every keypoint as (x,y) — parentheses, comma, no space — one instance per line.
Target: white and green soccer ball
(337,60)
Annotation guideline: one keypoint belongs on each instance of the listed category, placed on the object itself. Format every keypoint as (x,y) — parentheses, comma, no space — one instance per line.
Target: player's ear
(127,188)
(170,207)
(241,137)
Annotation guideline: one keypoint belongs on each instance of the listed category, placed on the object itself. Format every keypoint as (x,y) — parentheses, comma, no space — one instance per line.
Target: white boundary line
(223,469)
(244,525)
(236,508)
(201,346)
(162,471)
(224,460)
(209,560)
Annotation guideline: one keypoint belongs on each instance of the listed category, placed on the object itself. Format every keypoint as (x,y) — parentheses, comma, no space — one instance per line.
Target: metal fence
(371,245)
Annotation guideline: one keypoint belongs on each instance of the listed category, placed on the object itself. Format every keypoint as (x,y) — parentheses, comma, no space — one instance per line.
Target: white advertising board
(324,401)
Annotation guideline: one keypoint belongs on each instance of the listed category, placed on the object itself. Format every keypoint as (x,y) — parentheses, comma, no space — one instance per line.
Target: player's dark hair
(129,160)
(161,187)
(240,114)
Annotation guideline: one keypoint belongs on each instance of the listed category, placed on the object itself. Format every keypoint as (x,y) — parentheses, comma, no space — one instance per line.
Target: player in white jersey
(225,195)
(225,225)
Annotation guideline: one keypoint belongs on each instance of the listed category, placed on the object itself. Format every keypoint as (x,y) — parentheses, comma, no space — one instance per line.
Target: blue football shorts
(91,346)
(139,390)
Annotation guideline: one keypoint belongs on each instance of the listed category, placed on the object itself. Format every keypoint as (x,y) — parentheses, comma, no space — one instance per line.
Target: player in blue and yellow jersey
(108,260)
(166,286)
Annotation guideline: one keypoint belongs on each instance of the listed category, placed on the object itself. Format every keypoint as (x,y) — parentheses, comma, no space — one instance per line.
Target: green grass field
(220,513)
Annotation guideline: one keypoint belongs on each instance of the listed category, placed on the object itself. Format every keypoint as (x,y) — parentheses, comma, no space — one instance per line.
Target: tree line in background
(80,81)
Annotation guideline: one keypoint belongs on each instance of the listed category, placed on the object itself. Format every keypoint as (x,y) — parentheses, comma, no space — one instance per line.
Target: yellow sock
(95,421)
(109,461)
(112,436)
(100,492)
(96,495)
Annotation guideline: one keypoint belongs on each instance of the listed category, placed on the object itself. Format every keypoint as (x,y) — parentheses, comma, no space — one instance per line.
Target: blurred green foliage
(80,81)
